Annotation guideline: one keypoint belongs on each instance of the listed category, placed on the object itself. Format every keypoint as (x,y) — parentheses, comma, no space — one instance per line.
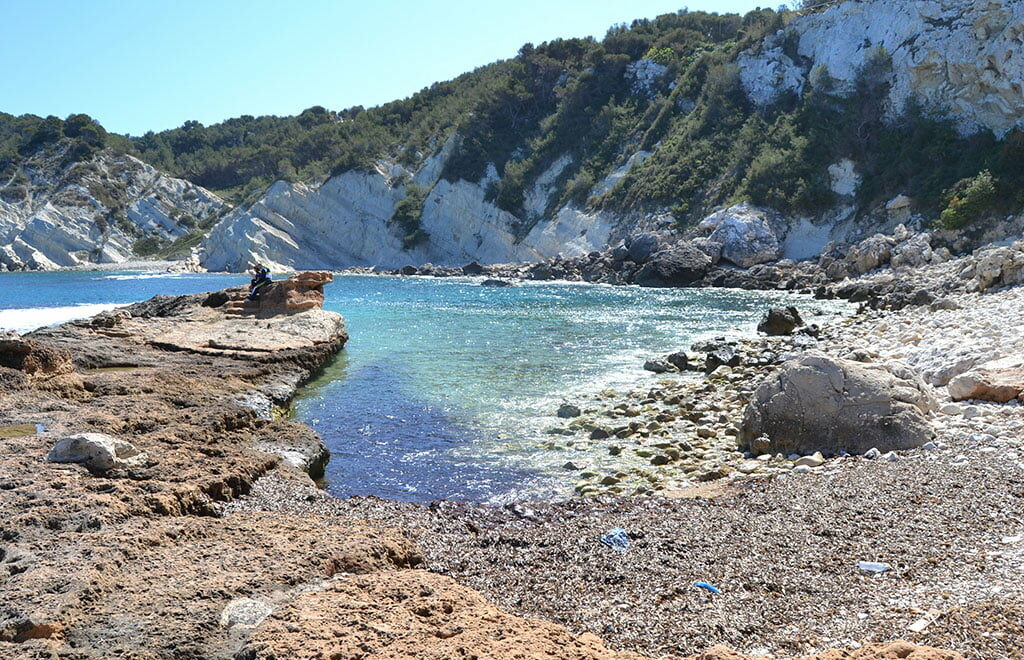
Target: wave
(32,318)
(143,276)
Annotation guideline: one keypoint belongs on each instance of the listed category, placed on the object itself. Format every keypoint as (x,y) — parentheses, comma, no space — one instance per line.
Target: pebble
(802,469)
(872,453)
(929,446)
(891,457)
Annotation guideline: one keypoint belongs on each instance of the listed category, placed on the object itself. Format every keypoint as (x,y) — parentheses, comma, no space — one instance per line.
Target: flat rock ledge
(156,414)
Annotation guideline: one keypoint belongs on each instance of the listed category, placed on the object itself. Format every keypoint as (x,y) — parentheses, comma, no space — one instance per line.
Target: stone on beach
(659,366)
(780,321)
(1000,380)
(98,452)
(818,403)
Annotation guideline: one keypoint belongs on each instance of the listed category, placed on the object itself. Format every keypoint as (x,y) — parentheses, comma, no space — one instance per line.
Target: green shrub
(969,200)
(664,56)
(408,213)
(147,246)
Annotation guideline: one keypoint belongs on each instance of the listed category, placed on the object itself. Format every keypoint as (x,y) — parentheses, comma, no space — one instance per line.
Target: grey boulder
(748,235)
(680,266)
(819,403)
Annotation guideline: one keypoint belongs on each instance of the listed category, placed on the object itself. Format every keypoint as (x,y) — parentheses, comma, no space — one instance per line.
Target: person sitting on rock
(261,278)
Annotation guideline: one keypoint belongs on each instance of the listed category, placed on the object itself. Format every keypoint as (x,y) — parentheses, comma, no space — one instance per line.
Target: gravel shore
(784,547)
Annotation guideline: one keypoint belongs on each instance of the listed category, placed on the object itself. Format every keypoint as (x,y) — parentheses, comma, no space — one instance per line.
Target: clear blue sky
(138,65)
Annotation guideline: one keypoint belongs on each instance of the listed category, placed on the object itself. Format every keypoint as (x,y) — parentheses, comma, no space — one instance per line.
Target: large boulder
(748,235)
(642,246)
(913,253)
(819,403)
(708,247)
(98,452)
(680,266)
(999,380)
(998,266)
(869,254)
(780,321)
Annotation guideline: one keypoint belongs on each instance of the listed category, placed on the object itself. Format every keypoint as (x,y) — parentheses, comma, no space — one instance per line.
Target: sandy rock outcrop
(818,403)
(108,565)
(299,293)
(961,56)
(35,360)
(413,614)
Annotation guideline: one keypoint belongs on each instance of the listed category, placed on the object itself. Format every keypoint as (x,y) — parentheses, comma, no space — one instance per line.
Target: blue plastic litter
(617,539)
(706,587)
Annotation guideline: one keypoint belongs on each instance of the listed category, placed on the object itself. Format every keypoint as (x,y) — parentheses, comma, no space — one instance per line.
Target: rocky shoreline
(884,271)
(216,543)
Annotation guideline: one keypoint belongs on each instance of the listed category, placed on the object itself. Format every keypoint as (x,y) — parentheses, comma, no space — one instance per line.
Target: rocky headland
(159,503)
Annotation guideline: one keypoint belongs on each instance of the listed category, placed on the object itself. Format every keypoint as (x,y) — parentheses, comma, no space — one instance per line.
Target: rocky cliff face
(346,221)
(54,215)
(964,58)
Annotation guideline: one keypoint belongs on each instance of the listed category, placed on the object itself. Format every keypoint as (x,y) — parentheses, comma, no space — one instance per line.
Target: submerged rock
(568,411)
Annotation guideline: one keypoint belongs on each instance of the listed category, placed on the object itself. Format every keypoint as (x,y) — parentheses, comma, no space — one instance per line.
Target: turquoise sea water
(446,388)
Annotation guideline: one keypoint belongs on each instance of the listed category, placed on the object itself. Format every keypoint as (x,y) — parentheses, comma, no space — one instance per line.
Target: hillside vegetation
(669,86)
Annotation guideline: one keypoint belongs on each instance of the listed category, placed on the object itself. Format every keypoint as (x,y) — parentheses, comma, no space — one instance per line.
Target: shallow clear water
(446,388)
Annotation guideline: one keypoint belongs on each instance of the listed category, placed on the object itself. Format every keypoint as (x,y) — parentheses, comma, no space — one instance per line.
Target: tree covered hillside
(668,86)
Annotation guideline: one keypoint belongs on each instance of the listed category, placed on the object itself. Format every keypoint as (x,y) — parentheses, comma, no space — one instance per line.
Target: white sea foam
(143,276)
(31,318)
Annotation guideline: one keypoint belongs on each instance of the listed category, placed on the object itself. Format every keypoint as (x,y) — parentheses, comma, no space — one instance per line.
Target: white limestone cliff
(345,222)
(54,216)
(962,58)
